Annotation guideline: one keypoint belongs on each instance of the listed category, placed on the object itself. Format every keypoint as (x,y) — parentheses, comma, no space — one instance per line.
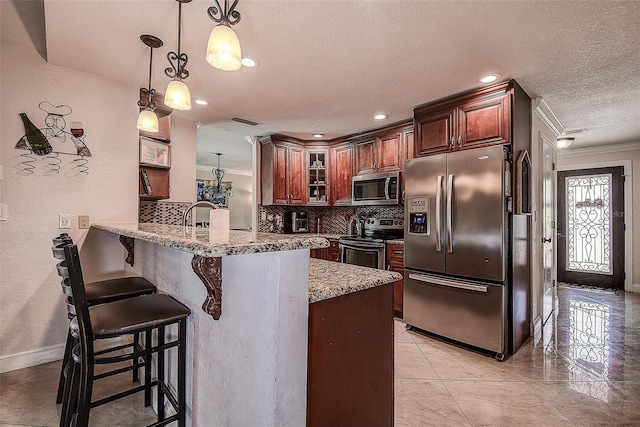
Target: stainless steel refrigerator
(456,246)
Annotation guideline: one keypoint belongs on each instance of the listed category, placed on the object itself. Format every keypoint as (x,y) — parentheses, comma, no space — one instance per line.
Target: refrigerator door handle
(449,213)
(438,214)
(387,182)
(448,283)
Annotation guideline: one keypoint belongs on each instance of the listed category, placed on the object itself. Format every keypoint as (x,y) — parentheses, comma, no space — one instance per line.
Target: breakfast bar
(250,296)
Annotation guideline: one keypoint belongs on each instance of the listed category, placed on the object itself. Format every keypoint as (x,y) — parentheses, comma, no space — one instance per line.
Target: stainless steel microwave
(376,189)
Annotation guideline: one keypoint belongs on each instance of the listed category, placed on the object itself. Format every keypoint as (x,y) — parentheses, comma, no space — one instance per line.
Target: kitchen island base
(350,372)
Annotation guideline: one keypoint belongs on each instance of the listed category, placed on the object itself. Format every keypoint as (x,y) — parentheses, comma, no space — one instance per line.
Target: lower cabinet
(332,253)
(395,262)
(350,363)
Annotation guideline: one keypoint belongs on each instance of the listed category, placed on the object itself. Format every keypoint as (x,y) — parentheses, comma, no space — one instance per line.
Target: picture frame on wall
(155,153)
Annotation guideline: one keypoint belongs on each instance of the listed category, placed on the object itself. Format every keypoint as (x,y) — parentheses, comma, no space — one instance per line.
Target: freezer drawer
(466,311)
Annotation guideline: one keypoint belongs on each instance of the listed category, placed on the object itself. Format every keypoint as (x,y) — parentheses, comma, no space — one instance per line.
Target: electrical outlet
(65,221)
(83,221)
(3,212)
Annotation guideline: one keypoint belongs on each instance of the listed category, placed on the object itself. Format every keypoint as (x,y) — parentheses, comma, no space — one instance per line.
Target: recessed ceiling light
(318,135)
(488,78)
(200,102)
(380,116)
(248,62)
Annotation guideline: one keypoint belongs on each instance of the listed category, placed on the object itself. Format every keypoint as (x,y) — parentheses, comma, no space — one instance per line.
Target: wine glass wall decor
(52,140)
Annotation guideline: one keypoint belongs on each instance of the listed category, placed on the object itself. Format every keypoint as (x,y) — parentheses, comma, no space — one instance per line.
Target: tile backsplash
(161,212)
(333,220)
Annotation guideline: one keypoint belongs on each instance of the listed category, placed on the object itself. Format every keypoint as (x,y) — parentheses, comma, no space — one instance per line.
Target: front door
(548,231)
(591,227)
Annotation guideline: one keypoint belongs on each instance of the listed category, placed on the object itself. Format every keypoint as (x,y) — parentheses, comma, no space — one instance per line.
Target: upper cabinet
(282,165)
(469,120)
(379,153)
(342,165)
(317,176)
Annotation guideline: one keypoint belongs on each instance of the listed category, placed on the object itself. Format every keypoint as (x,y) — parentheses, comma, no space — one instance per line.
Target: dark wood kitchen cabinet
(342,165)
(332,253)
(379,153)
(469,120)
(282,171)
(317,167)
(395,262)
(350,362)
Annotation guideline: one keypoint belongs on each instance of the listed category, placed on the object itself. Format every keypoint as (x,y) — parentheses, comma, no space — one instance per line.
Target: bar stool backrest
(79,298)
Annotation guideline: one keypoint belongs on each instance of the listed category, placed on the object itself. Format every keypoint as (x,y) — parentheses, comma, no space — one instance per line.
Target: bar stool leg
(66,361)
(84,395)
(136,347)
(182,362)
(147,369)
(160,373)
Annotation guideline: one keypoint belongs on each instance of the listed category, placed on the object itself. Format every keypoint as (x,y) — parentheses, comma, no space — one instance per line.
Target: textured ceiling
(329,66)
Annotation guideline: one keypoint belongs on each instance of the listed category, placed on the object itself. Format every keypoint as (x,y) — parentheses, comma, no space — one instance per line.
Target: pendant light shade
(177,95)
(223,49)
(147,121)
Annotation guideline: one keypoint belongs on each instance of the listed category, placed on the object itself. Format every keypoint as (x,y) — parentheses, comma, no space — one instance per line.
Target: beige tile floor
(585,372)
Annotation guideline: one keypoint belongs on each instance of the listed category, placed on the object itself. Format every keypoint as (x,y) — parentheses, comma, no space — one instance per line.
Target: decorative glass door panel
(588,220)
(590,230)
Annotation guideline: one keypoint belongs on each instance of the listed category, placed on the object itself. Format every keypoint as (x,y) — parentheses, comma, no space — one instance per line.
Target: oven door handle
(363,245)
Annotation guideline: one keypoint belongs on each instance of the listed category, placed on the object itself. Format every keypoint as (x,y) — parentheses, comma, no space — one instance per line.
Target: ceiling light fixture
(147,119)
(221,189)
(248,62)
(223,47)
(177,95)
(490,78)
(318,135)
(380,116)
(564,141)
(200,101)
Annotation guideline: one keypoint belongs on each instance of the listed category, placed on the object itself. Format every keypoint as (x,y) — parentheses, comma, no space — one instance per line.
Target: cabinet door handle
(451,141)
(398,252)
(459,140)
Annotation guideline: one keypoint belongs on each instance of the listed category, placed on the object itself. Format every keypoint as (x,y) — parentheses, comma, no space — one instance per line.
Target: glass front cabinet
(317,176)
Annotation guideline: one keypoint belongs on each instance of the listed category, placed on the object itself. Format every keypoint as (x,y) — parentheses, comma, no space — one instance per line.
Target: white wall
(32,314)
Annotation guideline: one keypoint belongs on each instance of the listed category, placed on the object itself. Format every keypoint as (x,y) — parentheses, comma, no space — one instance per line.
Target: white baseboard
(29,358)
(635,287)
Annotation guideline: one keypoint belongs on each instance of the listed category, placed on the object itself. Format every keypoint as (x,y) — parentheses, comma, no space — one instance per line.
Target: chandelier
(219,188)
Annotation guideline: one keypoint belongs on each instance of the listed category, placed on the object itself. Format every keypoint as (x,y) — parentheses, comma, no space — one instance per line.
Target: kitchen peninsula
(252,340)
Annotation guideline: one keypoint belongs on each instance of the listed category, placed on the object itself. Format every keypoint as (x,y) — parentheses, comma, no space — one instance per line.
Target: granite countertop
(328,279)
(199,241)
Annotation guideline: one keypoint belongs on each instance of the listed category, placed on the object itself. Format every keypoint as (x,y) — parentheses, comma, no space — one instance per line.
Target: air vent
(245,121)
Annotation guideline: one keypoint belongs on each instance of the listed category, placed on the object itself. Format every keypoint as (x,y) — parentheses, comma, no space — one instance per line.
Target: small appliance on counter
(296,222)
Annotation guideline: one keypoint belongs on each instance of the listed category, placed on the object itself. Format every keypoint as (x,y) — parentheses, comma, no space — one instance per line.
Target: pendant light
(223,48)
(177,95)
(222,188)
(147,119)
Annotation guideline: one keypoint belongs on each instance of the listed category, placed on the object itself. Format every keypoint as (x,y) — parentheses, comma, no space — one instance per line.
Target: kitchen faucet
(196,205)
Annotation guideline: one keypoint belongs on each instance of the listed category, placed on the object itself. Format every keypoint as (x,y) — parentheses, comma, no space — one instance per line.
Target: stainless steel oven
(369,251)
(362,251)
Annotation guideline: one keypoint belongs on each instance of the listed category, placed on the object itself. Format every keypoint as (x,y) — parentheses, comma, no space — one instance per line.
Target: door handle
(546,240)
(438,213)
(449,213)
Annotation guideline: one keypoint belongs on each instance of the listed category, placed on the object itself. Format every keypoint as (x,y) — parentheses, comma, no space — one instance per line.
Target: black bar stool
(99,293)
(142,314)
